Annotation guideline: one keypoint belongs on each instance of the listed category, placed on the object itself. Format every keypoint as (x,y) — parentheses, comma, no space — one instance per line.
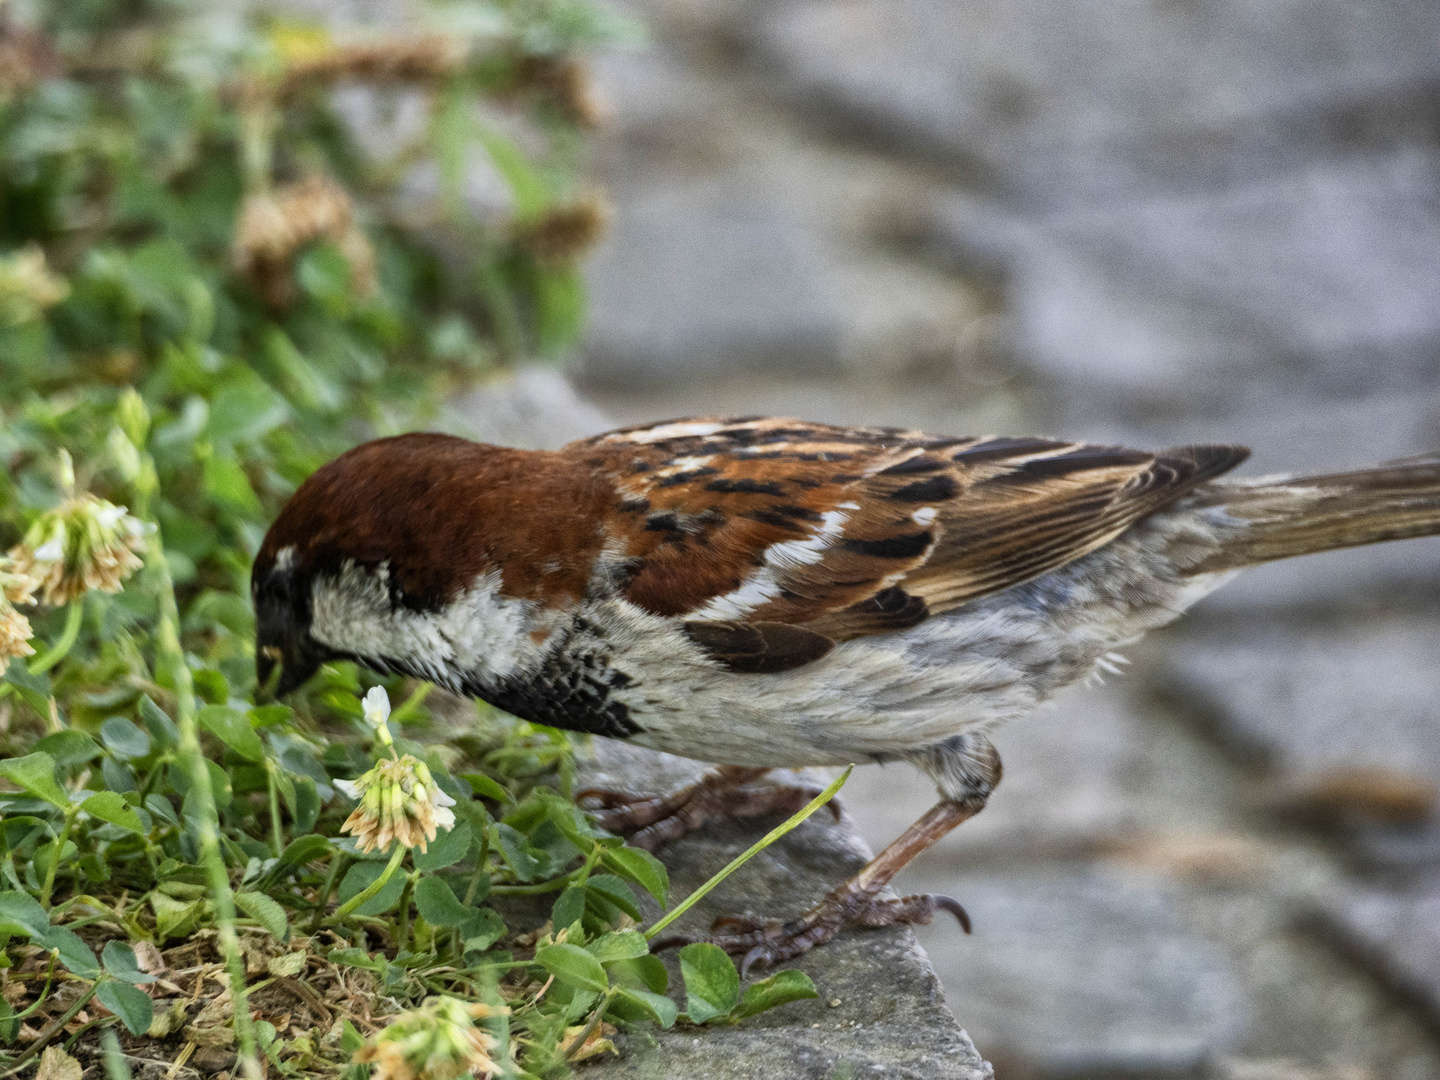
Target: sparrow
(765,592)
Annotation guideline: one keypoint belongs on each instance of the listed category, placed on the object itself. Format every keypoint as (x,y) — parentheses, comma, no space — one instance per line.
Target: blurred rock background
(1143,222)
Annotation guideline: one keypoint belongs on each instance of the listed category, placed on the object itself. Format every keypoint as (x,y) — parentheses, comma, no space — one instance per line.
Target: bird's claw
(765,942)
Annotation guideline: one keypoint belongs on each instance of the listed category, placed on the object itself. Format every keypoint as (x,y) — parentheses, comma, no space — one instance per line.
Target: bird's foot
(765,942)
(721,793)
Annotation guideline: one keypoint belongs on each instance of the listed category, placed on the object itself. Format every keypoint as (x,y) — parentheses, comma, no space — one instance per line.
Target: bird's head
(388,552)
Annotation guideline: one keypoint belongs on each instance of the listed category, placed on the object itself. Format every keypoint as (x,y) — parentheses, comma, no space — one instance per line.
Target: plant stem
(540,887)
(480,867)
(59,854)
(337,864)
(402,932)
(277,839)
(590,1026)
(371,890)
(73,617)
(172,655)
(411,704)
(754,849)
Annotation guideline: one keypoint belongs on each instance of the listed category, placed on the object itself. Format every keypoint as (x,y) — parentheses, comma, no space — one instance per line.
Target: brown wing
(855,531)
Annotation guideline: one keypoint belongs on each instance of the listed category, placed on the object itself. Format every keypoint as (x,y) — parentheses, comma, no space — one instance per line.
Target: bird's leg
(723,792)
(967,768)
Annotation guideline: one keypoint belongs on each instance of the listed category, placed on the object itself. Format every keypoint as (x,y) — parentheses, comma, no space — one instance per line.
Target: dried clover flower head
(316,60)
(567,231)
(399,801)
(84,543)
(27,287)
(15,632)
(274,226)
(438,1041)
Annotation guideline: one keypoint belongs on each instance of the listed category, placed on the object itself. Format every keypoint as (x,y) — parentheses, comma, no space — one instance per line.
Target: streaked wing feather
(735,523)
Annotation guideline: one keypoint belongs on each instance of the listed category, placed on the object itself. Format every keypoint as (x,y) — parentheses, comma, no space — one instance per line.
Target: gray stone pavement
(1144,224)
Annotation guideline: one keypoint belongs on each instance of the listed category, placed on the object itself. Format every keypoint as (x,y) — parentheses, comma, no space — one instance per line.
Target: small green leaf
(438,904)
(119,960)
(262,716)
(226,483)
(569,908)
(642,868)
(69,748)
(132,1006)
(620,945)
(354,957)
(574,967)
(301,851)
(572,824)
(481,930)
(779,988)
(712,985)
(175,918)
(161,808)
(513,849)
(162,729)
(124,738)
(21,913)
(232,727)
(108,806)
(609,889)
(78,957)
(350,1039)
(358,878)
(657,1007)
(643,973)
(487,788)
(447,849)
(9,1025)
(117,777)
(265,911)
(36,774)
(18,675)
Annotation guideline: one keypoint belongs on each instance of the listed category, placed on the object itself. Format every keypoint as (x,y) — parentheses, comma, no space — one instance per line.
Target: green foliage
(210,284)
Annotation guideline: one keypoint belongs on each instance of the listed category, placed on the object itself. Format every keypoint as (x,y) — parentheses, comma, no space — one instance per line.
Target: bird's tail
(1396,500)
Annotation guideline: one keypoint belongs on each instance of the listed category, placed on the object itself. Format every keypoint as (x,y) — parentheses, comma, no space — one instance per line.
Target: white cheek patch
(481,632)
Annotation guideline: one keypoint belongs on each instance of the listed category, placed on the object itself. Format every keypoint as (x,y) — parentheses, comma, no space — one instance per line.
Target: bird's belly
(626,673)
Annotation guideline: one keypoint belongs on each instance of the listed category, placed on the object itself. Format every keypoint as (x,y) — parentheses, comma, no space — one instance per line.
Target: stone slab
(1322,281)
(1353,696)
(1089,974)
(704,276)
(1345,717)
(1055,102)
(1398,931)
(890,1020)
(533,407)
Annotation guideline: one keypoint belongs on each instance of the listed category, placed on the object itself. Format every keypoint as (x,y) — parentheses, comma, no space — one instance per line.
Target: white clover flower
(377,707)
(399,801)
